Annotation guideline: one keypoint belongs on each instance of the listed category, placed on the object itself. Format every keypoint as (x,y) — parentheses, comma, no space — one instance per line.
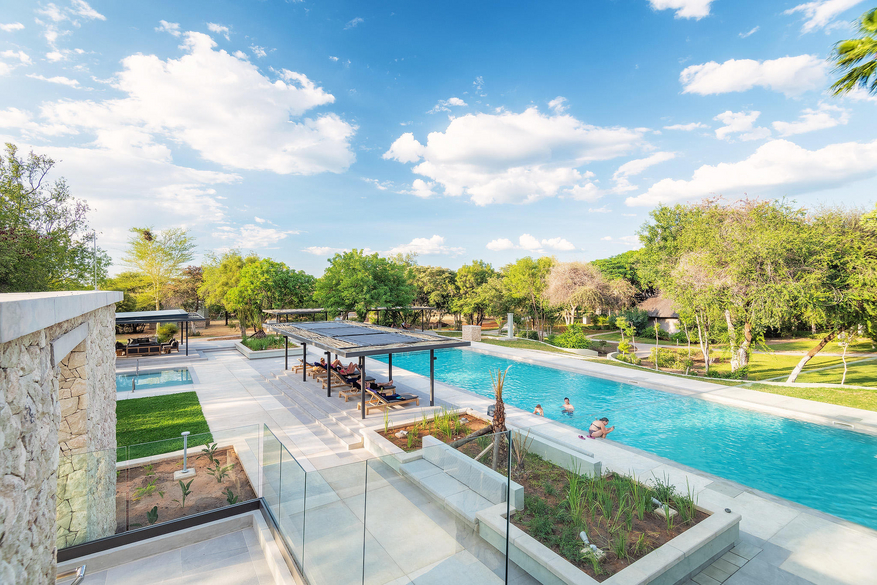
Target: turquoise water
(828,469)
(153,380)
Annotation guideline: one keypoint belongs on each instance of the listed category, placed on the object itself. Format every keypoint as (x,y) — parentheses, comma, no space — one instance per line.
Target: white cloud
(171,28)
(500,245)
(259,219)
(789,75)
(353,23)
(531,244)
(324,250)
(584,192)
(251,236)
(446,105)
(53,12)
(696,9)
(825,116)
(635,167)
(405,149)
(331,58)
(258,51)
(604,209)
(55,56)
(750,33)
(218,29)
(513,158)
(20,56)
(421,188)
(821,13)
(381,185)
(241,55)
(558,104)
(57,79)
(861,95)
(740,124)
(686,127)
(12,26)
(425,247)
(558,244)
(81,8)
(630,240)
(606,239)
(252,123)
(778,167)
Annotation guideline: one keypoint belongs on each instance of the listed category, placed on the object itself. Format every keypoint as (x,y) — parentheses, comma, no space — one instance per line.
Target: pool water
(153,380)
(831,470)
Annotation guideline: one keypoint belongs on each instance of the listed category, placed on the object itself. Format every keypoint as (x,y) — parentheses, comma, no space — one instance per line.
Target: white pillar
(511,325)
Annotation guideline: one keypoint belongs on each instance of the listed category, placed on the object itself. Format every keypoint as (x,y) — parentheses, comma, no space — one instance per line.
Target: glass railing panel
(271,471)
(102,493)
(291,512)
(436,514)
(333,525)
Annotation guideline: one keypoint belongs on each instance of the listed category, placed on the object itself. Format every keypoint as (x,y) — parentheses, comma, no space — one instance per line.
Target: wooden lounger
(377,402)
(353,391)
(296,368)
(337,382)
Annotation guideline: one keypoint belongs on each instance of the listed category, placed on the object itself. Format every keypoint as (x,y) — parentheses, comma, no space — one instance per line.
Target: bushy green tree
(360,282)
(267,284)
(44,238)
(159,256)
(470,300)
(220,275)
(526,281)
(133,286)
(434,287)
(183,290)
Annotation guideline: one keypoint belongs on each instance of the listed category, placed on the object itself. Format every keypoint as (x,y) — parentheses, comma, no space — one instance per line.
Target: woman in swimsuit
(598,429)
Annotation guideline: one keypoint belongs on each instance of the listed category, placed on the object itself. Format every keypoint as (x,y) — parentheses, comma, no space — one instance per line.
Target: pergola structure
(278,313)
(350,339)
(166,316)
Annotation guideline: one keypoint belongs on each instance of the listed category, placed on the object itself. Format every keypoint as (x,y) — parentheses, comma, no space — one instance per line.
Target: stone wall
(31,404)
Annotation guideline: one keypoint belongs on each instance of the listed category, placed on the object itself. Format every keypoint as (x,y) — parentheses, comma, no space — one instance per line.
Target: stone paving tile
(716,573)
(725,566)
(758,572)
(702,579)
(746,550)
(734,559)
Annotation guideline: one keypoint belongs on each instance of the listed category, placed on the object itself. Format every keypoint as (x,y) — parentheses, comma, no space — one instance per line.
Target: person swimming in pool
(567,407)
(598,428)
(538,410)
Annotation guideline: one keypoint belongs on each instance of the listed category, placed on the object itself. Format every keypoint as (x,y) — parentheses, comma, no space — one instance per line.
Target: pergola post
(186,334)
(432,377)
(304,361)
(422,314)
(328,374)
(362,385)
(285,353)
(391,366)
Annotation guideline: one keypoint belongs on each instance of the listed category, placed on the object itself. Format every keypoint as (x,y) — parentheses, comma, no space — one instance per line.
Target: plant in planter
(152,515)
(230,497)
(219,471)
(186,491)
(498,410)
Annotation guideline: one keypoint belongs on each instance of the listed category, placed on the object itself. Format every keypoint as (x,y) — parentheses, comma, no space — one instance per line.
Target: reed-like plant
(575,491)
(641,547)
(619,545)
(522,445)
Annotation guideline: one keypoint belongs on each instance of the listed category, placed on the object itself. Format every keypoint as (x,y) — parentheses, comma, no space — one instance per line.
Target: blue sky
(457,130)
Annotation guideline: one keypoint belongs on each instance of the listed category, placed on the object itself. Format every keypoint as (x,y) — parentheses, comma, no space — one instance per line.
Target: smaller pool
(153,380)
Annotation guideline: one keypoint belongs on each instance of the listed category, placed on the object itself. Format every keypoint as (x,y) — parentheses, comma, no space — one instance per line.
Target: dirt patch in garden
(462,427)
(140,489)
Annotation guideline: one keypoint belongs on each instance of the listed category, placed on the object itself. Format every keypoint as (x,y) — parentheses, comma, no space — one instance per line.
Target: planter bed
(141,487)
(267,353)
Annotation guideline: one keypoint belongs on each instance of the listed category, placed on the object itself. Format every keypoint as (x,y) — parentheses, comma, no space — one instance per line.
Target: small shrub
(649,333)
(740,374)
(574,338)
(665,358)
(152,515)
(529,335)
(166,332)
(263,343)
(230,497)
(638,318)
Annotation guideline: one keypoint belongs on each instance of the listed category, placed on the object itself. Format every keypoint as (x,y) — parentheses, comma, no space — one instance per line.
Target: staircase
(310,405)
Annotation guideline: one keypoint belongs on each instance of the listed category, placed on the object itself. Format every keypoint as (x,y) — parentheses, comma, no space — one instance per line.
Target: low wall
(267,353)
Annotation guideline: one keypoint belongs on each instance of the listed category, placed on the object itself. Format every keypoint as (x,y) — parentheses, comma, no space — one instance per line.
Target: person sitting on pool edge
(567,407)
(538,410)
(598,429)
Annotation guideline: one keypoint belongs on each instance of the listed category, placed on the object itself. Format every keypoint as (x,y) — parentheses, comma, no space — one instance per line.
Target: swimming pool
(153,380)
(828,469)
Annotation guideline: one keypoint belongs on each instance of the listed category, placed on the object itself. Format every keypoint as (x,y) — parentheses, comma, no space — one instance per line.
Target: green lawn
(450,333)
(855,398)
(145,425)
(608,336)
(862,373)
(806,344)
(763,366)
(517,342)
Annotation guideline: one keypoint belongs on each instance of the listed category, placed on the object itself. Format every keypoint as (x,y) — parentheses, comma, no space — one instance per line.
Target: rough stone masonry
(57,431)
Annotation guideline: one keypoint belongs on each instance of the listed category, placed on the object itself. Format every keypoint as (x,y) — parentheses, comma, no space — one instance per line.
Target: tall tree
(267,284)
(183,290)
(856,59)
(469,301)
(159,255)
(44,238)
(133,286)
(576,285)
(359,282)
(623,266)
(220,275)
(527,280)
(434,287)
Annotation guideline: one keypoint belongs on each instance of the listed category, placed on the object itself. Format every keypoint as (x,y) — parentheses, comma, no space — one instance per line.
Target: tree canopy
(44,238)
(355,281)
(267,284)
(159,256)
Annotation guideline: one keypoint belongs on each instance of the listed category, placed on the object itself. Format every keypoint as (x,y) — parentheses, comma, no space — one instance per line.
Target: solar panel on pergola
(313,312)
(353,339)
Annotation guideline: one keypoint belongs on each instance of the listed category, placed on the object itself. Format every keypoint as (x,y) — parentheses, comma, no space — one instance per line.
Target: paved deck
(781,542)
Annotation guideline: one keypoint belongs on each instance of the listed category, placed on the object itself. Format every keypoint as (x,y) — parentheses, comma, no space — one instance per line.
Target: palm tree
(498,411)
(856,59)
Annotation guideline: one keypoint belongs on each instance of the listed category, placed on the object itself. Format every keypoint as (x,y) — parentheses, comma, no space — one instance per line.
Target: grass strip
(147,426)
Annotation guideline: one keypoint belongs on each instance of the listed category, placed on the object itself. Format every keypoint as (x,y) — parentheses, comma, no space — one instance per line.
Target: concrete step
(314,413)
(343,412)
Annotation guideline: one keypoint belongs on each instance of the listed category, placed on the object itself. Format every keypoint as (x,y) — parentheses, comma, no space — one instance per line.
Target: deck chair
(297,368)
(337,382)
(377,402)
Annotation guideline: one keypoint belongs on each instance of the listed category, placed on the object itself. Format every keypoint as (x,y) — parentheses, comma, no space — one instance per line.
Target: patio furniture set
(146,346)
